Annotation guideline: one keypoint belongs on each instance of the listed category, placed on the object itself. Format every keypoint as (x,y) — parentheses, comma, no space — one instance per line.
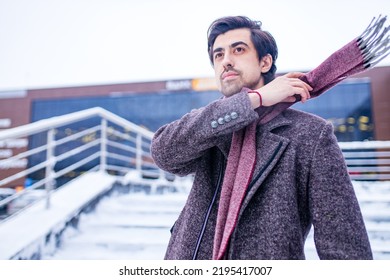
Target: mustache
(229,70)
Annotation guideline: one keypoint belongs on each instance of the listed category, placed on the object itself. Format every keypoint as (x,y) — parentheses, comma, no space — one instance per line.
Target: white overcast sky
(56,43)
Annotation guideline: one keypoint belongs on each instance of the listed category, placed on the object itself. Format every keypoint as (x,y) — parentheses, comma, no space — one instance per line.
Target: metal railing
(368,160)
(78,142)
(95,139)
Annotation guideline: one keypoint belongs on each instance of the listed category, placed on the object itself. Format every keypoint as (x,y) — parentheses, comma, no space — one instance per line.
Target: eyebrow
(233,45)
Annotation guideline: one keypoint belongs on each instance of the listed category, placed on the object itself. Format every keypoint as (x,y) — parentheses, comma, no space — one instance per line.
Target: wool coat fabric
(300,179)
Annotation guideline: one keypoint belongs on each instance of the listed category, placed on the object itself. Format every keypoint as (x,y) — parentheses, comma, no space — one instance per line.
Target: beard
(230,88)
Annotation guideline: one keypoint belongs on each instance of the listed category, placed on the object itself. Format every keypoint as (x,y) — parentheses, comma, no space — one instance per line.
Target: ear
(266,63)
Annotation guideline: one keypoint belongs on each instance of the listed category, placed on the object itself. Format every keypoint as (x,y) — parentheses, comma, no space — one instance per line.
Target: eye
(239,50)
(217,55)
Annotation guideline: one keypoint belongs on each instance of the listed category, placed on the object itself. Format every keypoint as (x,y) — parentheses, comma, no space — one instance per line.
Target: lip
(229,75)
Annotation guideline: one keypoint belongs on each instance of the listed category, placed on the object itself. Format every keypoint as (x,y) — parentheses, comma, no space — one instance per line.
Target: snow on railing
(367,160)
(78,142)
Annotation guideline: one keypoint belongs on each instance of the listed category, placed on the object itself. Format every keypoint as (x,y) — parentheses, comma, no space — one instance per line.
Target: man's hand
(283,89)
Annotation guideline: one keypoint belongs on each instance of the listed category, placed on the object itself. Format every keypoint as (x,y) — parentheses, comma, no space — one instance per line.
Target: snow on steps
(36,230)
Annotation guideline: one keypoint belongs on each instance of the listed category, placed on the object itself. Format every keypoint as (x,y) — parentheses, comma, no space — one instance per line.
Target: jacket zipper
(218,186)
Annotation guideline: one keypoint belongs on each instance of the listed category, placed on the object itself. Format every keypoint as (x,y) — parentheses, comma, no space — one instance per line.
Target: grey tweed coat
(300,180)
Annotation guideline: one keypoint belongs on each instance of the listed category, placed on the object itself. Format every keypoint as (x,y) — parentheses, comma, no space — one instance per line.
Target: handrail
(128,149)
(43,125)
(364,145)
(367,160)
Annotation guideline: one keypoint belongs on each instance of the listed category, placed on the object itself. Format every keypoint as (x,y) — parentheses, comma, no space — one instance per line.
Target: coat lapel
(270,148)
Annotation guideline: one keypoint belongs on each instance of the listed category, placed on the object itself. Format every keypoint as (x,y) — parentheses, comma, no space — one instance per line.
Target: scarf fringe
(374,42)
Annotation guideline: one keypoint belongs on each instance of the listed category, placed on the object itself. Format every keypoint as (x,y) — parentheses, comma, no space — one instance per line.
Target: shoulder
(305,121)
(302,125)
(303,117)
(307,133)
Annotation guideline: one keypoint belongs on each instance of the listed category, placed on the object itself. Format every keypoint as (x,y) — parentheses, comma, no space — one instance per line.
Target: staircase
(133,226)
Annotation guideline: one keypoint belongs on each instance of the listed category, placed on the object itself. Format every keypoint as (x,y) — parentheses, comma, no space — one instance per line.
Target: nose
(227,61)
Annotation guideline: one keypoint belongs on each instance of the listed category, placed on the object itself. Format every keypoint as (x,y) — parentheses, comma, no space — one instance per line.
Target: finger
(309,87)
(294,75)
(290,99)
(298,82)
(303,93)
(297,75)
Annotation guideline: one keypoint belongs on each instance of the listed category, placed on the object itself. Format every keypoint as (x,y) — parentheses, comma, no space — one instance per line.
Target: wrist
(255,98)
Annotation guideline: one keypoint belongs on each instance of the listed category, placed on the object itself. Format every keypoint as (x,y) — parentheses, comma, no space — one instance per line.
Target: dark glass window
(348,107)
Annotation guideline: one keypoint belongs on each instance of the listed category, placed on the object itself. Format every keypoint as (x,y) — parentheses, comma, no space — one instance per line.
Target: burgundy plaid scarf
(360,54)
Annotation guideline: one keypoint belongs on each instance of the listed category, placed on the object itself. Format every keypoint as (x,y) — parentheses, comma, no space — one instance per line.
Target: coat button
(227,118)
(233,115)
(221,121)
(214,124)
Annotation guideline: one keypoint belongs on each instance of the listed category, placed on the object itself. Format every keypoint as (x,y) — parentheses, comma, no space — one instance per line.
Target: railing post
(50,162)
(138,159)
(103,145)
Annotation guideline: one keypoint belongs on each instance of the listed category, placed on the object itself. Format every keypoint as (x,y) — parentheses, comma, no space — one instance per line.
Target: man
(260,183)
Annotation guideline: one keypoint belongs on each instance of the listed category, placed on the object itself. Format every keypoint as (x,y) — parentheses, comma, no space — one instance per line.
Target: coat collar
(263,130)
(279,121)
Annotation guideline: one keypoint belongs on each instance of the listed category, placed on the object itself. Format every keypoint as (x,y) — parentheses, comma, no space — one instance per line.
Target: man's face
(236,63)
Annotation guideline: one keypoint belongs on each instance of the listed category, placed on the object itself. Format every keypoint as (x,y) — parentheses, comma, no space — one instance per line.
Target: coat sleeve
(339,230)
(177,147)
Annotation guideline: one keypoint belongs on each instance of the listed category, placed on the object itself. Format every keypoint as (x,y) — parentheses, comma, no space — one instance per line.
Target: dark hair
(263,41)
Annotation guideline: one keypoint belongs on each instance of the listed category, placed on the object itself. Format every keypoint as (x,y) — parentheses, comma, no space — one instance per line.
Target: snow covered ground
(135,226)
(131,226)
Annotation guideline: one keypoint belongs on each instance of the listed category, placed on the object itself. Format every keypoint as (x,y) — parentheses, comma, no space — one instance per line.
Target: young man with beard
(260,182)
